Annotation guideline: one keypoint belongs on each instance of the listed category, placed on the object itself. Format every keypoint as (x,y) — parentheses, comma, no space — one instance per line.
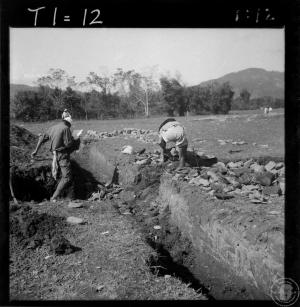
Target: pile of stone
(144,135)
(257,182)
(109,191)
(230,141)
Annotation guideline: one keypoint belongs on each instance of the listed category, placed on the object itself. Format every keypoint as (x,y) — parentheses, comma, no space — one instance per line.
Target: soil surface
(125,247)
(104,257)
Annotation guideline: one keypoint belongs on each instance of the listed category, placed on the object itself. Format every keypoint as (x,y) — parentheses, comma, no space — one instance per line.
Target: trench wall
(101,159)
(248,238)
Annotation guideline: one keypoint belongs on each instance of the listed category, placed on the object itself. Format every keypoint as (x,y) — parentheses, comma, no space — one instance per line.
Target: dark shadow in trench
(164,264)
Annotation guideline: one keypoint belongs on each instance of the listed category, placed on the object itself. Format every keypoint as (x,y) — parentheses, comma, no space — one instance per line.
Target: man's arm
(70,144)
(42,139)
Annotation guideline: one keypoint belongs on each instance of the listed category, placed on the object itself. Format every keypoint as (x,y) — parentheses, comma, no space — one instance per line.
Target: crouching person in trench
(62,144)
(172,131)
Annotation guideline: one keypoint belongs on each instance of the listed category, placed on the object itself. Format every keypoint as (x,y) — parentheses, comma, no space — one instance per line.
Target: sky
(197,54)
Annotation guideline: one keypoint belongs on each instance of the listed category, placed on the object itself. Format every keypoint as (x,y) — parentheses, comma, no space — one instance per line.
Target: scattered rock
(272,190)
(99,288)
(257,168)
(251,187)
(218,187)
(222,195)
(229,188)
(237,191)
(256,201)
(141,151)
(274,212)
(144,161)
(75,205)
(222,142)
(248,163)
(212,176)
(264,145)
(231,151)
(269,166)
(240,171)
(232,165)
(265,178)
(239,143)
(193,173)
(60,245)
(127,150)
(279,165)
(255,195)
(74,220)
(281,172)
(199,181)
(232,181)
(246,178)
(221,167)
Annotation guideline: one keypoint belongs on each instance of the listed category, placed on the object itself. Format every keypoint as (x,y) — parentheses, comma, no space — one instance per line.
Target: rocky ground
(115,243)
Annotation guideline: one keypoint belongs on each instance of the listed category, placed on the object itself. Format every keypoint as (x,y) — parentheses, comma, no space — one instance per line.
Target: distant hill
(259,82)
(15,88)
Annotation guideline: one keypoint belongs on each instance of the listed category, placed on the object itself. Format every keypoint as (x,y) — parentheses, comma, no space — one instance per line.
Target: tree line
(123,94)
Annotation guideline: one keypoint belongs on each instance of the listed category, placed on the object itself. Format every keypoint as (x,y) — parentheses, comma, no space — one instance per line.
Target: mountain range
(259,82)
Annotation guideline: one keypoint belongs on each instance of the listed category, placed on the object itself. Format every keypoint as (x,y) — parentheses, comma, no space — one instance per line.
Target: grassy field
(263,135)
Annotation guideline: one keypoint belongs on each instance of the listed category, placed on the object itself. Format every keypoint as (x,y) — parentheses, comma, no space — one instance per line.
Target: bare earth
(112,253)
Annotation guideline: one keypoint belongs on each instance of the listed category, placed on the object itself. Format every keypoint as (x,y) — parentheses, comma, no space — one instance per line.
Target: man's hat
(68,119)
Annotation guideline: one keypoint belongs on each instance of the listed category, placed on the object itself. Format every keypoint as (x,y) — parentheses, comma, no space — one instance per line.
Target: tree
(72,102)
(143,89)
(245,97)
(101,82)
(173,96)
(26,106)
(221,98)
(55,79)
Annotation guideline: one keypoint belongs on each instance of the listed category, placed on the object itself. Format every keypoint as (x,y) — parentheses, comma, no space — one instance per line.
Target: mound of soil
(30,229)
(22,144)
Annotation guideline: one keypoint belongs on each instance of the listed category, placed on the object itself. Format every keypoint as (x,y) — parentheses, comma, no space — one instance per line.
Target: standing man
(172,131)
(62,144)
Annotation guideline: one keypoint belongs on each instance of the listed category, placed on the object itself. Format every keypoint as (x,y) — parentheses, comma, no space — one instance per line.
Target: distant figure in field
(172,131)
(270,109)
(266,110)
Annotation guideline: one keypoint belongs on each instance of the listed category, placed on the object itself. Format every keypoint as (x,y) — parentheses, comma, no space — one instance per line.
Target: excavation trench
(35,183)
(185,249)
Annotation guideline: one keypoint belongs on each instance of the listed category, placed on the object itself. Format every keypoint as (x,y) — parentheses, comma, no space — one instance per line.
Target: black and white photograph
(147,163)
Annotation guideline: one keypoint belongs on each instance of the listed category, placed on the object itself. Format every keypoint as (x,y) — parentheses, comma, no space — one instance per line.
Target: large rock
(272,190)
(240,171)
(199,181)
(279,165)
(213,176)
(269,166)
(257,168)
(221,167)
(264,178)
(248,163)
